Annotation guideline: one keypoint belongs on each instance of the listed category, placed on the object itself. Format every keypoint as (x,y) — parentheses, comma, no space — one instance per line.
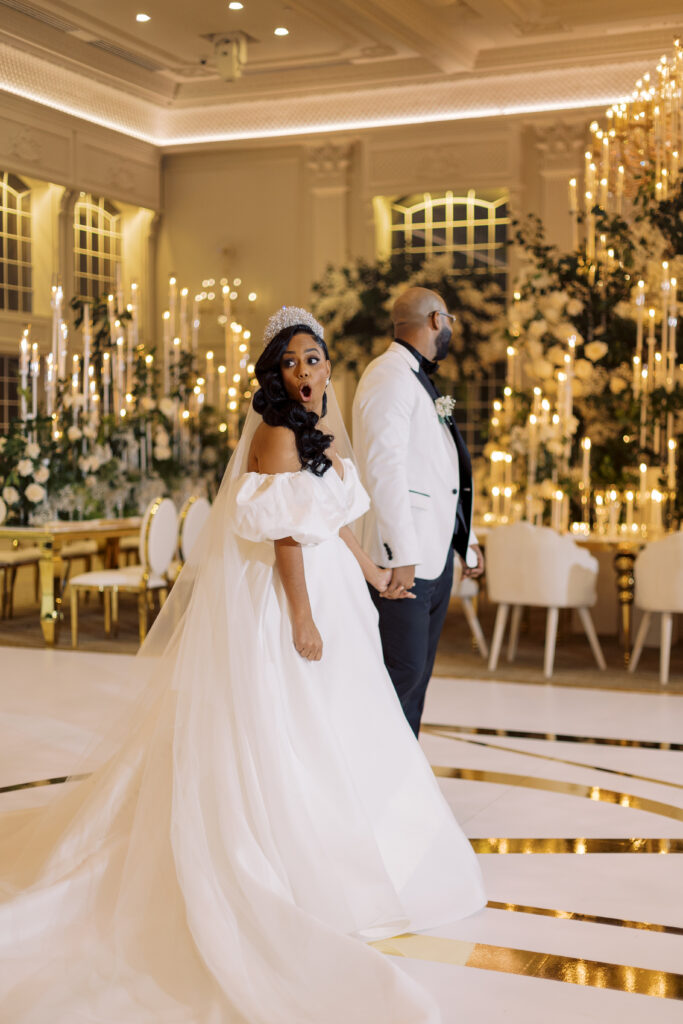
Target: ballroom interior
(170,175)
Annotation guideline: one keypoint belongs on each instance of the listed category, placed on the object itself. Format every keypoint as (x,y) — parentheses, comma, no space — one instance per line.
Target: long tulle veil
(119,900)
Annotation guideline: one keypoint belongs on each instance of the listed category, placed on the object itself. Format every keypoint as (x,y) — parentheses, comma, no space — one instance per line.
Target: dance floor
(573,799)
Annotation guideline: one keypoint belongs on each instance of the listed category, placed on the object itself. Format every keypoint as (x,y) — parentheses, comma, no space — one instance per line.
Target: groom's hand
(401,583)
(477,570)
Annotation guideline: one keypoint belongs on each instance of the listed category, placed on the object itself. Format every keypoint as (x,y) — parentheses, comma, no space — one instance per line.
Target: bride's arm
(376,577)
(274,451)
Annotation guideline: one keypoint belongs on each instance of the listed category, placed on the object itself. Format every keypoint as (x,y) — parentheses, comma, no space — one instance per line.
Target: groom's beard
(443,340)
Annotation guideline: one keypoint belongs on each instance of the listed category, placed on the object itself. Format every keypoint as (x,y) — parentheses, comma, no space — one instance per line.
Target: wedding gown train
(265,817)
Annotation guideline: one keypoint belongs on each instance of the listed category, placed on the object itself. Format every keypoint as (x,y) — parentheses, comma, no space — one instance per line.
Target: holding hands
(401,583)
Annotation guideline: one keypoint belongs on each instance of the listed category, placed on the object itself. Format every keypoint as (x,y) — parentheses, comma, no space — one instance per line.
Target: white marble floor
(591,932)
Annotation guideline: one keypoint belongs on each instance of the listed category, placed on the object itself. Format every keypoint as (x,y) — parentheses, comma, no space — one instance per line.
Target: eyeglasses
(442,312)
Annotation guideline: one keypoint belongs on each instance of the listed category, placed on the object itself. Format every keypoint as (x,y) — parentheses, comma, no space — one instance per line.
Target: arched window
(15,244)
(97,245)
(472,227)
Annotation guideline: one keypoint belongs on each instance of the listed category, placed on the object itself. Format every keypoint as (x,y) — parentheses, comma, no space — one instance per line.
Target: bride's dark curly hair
(279,410)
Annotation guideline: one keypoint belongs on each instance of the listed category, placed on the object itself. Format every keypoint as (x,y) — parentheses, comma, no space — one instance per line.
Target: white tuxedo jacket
(409,465)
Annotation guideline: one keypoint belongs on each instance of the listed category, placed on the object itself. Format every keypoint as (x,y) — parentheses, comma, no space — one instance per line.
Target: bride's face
(305,371)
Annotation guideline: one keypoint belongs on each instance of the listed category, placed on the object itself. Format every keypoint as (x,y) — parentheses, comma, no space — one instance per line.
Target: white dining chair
(534,566)
(658,573)
(466,590)
(193,516)
(158,538)
(11,560)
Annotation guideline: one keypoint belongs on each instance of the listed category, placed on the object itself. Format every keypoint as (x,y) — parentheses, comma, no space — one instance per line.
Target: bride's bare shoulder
(273,450)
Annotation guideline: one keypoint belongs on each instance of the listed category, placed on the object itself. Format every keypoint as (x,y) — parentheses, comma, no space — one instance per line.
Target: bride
(261,811)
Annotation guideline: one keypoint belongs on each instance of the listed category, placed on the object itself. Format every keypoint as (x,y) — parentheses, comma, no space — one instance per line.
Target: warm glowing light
(223,427)
(236,378)
(232,406)
(281,31)
(252,296)
(142,17)
(235,5)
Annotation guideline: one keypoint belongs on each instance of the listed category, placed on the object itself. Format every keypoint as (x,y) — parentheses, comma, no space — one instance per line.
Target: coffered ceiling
(343,63)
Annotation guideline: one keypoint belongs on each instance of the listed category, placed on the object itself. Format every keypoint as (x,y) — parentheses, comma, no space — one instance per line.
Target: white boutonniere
(444,407)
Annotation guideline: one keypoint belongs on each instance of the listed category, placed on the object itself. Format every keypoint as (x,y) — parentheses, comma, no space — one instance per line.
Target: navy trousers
(410,631)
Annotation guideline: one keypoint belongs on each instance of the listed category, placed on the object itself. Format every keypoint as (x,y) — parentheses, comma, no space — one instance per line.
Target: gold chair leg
(115,610)
(74,618)
(2,592)
(163,594)
(107,612)
(142,614)
(36,583)
(12,581)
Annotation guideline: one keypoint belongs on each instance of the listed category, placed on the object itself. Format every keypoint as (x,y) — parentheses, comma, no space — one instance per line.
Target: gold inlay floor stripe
(549,757)
(568,969)
(597,793)
(520,734)
(570,915)
(43,782)
(518,844)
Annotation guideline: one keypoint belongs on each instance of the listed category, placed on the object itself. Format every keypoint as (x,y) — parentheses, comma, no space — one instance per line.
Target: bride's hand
(378,578)
(307,639)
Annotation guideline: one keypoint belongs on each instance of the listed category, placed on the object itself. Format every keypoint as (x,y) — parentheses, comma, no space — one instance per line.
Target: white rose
(534,349)
(595,350)
(148,403)
(583,369)
(617,385)
(90,432)
(543,369)
(25,467)
(74,433)
(167,407)
(33,450)
(42,474)
(556,355)
(161,438)
(574,307)
(547,489)
(3,511)
(35,493)
(10,494)
(537,328)
(577,388)
(162,453)
(209,457)
(67,401)
(90,482)
(555,447)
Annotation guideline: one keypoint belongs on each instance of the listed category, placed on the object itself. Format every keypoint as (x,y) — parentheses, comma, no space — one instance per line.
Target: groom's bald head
(413,306)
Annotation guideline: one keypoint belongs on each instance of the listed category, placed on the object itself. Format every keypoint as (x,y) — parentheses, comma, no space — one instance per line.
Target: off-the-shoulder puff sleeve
(299,505)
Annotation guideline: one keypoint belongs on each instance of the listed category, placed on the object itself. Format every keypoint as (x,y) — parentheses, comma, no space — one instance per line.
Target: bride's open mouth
(305,392)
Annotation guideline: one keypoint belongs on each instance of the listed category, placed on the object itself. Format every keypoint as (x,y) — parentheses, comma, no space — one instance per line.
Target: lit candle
(620,190)
(35,372)
(586,463)
(636,376)
(106,377)
(23,370)
(183,319)
(172,295)
(209,377)
(640,305)
(651,349)
(511,353)
(656,522)
(671,464)
(195,325)
(533,450)
(629,510)
(167,351)
(87,339)
(574,213)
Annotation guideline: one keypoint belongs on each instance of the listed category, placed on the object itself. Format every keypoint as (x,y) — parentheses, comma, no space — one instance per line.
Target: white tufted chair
(659,589)
(193,516)
(467,591)
(158,538)
(535,566)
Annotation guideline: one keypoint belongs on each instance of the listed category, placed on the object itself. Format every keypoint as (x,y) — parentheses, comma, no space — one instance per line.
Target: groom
(417,470)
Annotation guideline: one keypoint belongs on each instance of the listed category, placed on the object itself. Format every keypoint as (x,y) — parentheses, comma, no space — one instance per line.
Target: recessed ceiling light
(281,31)
(235,5)
(142,17)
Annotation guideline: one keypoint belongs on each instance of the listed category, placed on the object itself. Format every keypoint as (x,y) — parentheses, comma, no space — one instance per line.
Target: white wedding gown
(265,817)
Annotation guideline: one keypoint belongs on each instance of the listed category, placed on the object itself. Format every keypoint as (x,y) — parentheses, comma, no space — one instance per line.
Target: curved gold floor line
(568,969)
(580,846)
(608,796)
(570,915)
(549,757)
(523,734)
(58,780)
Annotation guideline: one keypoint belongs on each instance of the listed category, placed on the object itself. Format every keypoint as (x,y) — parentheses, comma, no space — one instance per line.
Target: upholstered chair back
(659,575)
(158,535)
(534,565)
(193,516)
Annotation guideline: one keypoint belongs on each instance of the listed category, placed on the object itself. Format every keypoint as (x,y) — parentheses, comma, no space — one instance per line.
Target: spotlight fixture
(281,31)
(142,17)
(235,5)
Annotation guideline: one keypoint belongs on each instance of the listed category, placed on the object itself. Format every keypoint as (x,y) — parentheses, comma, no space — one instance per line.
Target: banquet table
(624,550)
(50,538)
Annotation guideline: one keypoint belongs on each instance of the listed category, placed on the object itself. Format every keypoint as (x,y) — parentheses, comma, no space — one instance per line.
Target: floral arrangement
(354,304)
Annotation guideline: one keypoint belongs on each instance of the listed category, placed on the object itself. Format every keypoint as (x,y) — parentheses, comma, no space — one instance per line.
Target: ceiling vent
(39,15)
(132,58)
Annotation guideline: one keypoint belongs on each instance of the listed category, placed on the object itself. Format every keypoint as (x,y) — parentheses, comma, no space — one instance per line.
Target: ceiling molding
(33,78)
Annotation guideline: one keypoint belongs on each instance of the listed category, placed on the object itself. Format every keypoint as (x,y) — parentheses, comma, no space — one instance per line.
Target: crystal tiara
(289,316)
